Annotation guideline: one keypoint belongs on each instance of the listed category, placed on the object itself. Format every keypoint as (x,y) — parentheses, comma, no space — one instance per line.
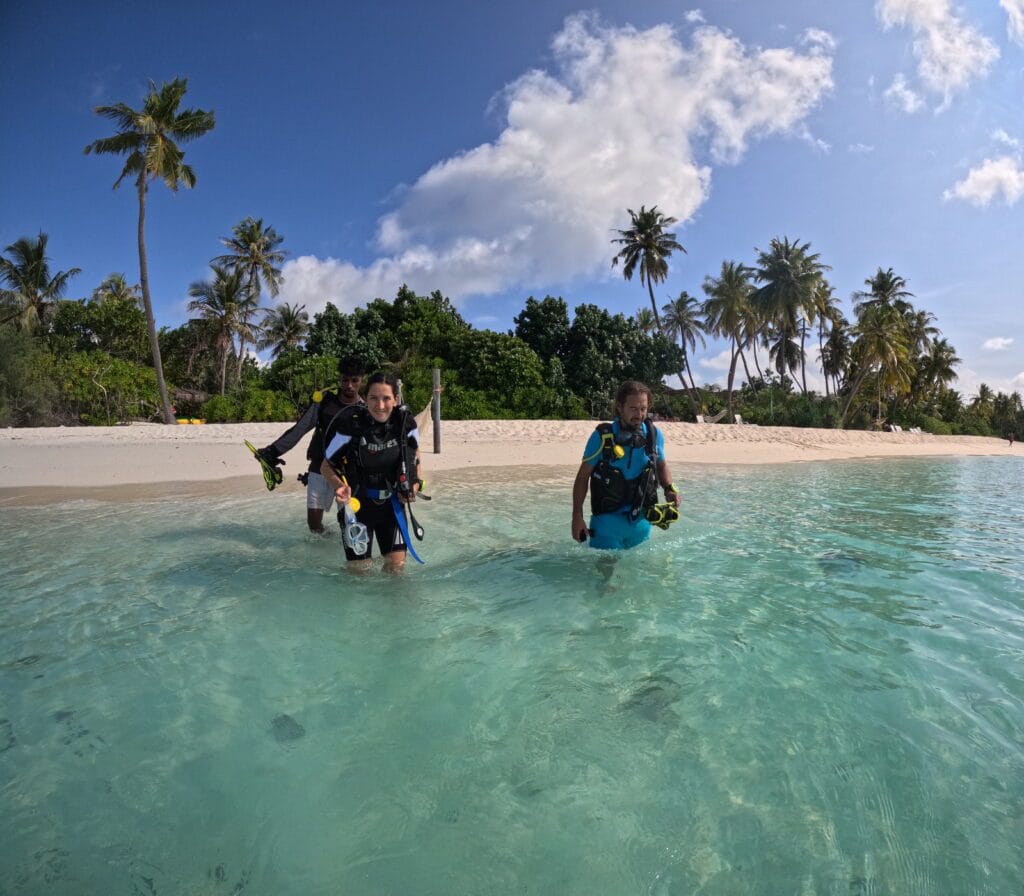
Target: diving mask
(354,533)
(662,515)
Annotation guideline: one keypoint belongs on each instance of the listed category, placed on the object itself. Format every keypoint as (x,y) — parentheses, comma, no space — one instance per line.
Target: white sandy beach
(52,464)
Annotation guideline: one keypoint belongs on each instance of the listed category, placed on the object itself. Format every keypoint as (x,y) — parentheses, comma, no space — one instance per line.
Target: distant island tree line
(101,360)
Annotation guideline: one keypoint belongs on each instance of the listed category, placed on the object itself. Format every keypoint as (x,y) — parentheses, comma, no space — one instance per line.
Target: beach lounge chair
(738,419)
(702,418)
(896,428)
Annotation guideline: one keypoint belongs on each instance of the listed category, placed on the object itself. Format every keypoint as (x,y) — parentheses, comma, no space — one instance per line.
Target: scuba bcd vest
(380,456)
(610,491)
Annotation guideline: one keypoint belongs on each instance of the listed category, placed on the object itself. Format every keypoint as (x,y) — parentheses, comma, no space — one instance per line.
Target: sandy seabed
(143,460)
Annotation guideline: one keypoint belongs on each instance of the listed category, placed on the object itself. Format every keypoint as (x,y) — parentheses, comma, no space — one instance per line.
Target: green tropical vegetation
(101,359)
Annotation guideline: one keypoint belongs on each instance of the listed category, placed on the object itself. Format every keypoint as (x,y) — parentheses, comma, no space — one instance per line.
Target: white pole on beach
(435,410)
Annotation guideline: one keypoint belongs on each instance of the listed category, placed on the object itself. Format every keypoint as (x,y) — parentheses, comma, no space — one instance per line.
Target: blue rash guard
(614,531)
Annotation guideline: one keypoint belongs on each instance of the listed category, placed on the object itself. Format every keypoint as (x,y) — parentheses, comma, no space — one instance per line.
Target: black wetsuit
(369,455)
(318,417)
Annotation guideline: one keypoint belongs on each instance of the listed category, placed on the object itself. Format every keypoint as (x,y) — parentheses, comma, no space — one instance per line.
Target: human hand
(271,457)
(579,528)
(343,493)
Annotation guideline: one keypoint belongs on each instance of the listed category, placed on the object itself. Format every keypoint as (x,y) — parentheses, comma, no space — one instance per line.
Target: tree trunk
(732,375)
(225,350)
(147,303)
(849,400)
(654,306)
(821,353)
(253,293)
(757,363)
(689,370)
(803,354)
(746,370)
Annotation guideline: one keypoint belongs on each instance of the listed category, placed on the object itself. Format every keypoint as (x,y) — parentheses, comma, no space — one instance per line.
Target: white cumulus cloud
(950,52)
(1000,136)
(992,178)
(630,117)
(1015,19)
(997,343)
(900,95)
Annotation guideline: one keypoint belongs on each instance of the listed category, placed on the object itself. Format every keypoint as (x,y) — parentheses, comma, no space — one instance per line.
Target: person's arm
(293,436)
(665,481)
(341,490)
(579,494)
(338,435)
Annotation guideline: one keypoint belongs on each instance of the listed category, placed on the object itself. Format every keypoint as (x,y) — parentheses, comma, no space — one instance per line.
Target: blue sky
(491,150)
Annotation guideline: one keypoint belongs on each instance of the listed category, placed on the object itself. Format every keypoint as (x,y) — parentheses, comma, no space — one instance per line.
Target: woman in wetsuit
(376,449)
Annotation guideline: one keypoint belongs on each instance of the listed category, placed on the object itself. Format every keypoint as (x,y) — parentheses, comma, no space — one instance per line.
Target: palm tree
(284,327)
(32,289)
(835,353)
(784,352)
(254,249)
(115,288)
(683,321)
(881,348)
(939,366)
(982,403)
(791,277)
(727,312)
(826,308)
(646,245)
(147,137)
(219,300)
(884,288)
(645,321)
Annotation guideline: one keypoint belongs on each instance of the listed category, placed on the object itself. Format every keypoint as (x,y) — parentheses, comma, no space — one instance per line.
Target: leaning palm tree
(880,348)
(115,288)
(727,312)
(646,245)
(284,327)
(791,275)
(254,249)
(683,321)
(32,290)
(147,137)
(219,300)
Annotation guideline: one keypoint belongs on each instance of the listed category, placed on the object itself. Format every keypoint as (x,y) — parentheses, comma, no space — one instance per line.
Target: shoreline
(151,461)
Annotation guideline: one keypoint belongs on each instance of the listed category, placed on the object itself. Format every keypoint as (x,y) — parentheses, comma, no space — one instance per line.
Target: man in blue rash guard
(623,464)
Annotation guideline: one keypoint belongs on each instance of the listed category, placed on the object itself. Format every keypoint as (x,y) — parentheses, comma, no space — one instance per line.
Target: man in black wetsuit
(325,406)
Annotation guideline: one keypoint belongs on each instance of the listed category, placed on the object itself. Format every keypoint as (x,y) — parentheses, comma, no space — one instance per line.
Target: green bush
(220,409)
(265,406)
(934,425)
(97,389)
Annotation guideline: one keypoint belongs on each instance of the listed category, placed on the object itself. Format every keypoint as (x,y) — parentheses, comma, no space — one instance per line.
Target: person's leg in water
(612,533)
(319,498)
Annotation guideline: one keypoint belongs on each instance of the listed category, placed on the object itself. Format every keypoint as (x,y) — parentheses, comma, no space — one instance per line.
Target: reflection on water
(812,683)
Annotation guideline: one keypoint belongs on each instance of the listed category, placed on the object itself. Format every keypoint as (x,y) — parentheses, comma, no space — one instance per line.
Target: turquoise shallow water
(814,684)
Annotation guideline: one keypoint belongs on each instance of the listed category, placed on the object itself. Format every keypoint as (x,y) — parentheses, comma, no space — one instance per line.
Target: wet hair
(632,387)
(351,365)
(386,378)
